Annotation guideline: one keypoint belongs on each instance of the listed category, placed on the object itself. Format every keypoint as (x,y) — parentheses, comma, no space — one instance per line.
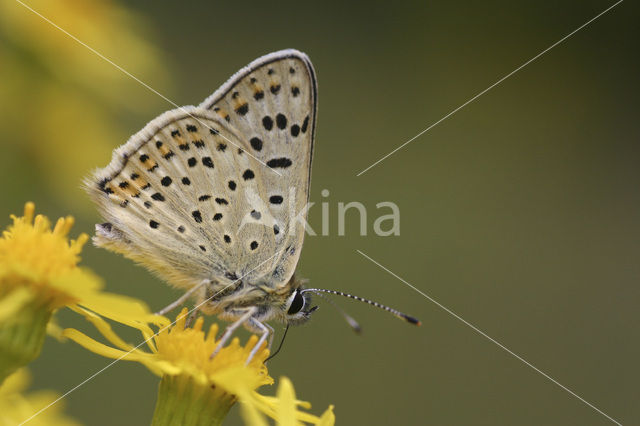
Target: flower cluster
(193,382)
(39,274)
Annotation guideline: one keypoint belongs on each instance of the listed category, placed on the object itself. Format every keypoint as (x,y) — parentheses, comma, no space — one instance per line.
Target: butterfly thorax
(268,301)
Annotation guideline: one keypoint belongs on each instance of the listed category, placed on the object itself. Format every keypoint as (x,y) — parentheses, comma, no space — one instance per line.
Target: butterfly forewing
(272,103)
(210,192)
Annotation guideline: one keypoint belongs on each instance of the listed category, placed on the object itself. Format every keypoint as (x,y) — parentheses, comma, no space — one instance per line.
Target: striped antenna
(397,314)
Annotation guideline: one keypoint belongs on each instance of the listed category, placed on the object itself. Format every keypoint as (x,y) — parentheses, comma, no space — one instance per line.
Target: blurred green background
(520,213)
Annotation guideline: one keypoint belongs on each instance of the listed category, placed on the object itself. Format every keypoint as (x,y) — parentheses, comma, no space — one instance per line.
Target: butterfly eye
(296,304)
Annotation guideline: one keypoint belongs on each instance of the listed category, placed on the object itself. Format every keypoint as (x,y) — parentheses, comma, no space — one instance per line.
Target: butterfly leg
(272,333)
(267,330)
(232,327)
(192,316)
(182,298)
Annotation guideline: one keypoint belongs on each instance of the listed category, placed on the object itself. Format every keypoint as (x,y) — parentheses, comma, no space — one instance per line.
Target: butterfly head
(298,309)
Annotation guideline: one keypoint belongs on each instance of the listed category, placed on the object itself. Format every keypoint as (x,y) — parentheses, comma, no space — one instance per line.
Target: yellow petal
(328,418)
(286,415)
(92,345)
(104,328)
(250,413)
(54,330)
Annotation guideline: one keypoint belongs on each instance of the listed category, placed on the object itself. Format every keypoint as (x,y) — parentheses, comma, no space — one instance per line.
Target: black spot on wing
(207,161)
(275,199)
(281,121)
(248,174)
(256,143)
(243,109)
(267,122)
(282,162)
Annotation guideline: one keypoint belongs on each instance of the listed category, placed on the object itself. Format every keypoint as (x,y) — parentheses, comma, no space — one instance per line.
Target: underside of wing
(215,191)
(272,103)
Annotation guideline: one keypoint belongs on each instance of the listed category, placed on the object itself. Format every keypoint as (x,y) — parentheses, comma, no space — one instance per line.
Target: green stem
(21,339)
(182,401)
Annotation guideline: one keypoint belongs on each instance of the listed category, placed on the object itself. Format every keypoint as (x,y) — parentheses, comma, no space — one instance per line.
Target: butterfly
(213,198)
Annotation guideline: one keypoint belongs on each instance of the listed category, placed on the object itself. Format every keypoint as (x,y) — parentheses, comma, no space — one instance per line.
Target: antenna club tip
(412,320)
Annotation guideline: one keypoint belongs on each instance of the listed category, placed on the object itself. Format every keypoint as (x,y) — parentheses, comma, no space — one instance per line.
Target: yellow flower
(16,407)
(39,273)
(196,389)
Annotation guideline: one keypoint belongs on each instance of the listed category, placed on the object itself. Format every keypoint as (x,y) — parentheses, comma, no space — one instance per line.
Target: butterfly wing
(273,102)
(194,196)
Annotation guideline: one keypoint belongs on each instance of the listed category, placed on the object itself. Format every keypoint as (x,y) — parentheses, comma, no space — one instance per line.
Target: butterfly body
(210,197)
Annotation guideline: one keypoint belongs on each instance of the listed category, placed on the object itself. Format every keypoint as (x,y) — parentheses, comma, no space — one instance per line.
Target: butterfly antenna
(280,345)
(348,318)
(397,314)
